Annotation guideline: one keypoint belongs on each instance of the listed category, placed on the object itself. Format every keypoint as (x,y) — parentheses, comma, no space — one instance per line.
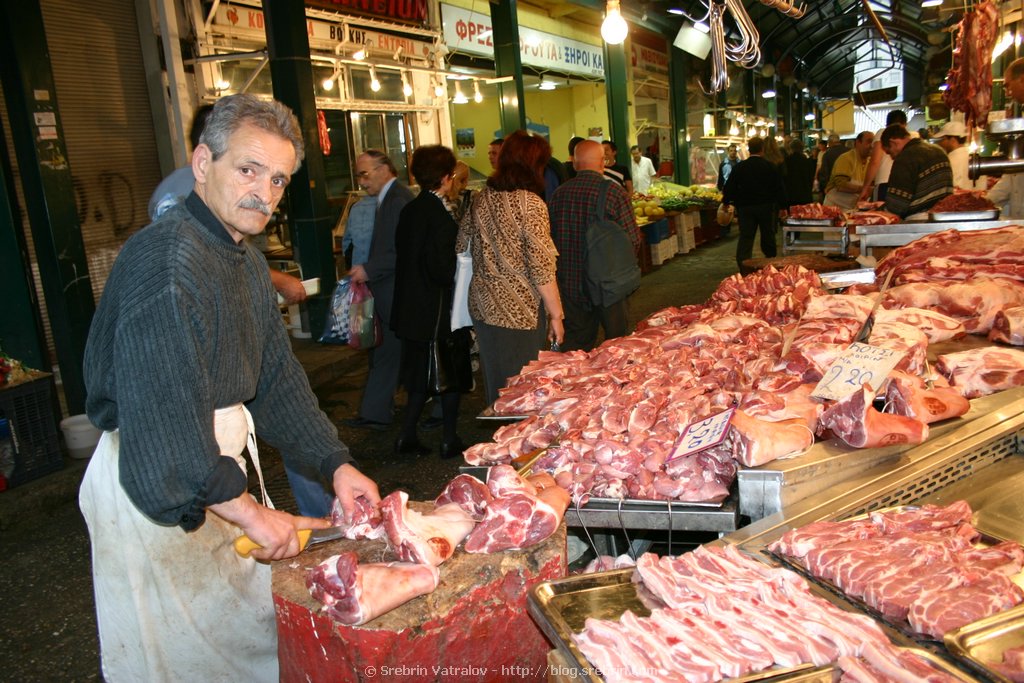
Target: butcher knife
(865,331)
(307,537)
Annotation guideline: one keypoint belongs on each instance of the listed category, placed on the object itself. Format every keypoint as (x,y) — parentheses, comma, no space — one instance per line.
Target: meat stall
(979,460)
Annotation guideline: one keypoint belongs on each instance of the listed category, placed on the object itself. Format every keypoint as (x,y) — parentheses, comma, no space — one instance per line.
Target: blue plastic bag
(337,329)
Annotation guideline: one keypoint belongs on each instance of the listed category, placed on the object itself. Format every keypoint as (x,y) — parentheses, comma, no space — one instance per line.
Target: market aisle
(48,617)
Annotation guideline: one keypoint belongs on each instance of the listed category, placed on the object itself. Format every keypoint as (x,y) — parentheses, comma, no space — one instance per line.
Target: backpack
(610,267)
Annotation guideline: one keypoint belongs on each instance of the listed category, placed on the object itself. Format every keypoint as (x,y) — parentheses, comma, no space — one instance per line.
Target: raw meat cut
(354,593)
(817,211)
(1008,326)
(518,515)
(875,217)
(970,79)
(856,421)
(429,538)
(963,200)
(366,522)
(956,255)
(908,395)
(917,568)
(754,442)
(469,493)
(979,372)
(936,326)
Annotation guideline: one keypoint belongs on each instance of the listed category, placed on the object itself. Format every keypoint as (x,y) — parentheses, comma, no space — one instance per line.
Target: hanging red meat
(970,79)
(321,129)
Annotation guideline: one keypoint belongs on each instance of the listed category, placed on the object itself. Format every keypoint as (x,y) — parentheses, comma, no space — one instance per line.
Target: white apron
(170,605)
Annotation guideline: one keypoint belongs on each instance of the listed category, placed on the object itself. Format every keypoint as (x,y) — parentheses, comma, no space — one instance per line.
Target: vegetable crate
(29,408)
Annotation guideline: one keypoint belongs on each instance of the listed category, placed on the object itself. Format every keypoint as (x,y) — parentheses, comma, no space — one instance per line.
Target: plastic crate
(29,407)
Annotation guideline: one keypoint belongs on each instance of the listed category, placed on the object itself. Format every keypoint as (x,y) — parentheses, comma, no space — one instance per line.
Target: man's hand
(288,286)
(358,273)
(274,530)
(349,483)
(556,330)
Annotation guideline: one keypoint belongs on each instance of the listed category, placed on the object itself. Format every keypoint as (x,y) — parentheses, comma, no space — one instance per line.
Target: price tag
(704,434)
(858,365)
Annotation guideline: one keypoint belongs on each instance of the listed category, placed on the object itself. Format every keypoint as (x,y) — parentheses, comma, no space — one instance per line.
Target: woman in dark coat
(421,313)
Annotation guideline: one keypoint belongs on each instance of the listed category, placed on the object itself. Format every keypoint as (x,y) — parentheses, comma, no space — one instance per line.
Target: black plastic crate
(29,408)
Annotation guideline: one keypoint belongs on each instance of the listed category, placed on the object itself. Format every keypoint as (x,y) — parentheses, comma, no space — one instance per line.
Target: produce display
(923,569)
(716,614)
(662,197)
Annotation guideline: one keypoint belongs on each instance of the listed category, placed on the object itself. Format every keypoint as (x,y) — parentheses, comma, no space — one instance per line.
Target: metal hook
(669,502)
(629,543)
(586,531)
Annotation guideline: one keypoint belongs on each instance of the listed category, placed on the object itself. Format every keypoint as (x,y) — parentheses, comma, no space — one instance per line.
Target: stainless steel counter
(897,235)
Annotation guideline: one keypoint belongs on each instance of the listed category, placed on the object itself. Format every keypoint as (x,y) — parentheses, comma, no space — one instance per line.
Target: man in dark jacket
(377,176)
(799,174)
(920,175)
(756,189)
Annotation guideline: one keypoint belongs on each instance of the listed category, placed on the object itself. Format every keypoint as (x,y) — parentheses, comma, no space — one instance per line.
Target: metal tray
(902,627)
(982,643)
(561,608)
(948,216)
(817,222)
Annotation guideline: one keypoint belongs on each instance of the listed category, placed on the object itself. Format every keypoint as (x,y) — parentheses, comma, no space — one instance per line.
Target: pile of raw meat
(963,200)
(872,217)
(716,613)
(916,566)
(818,212)
(507,513)
(970,79)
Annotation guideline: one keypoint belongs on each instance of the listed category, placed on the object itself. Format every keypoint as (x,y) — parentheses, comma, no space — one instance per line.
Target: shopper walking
(756,189)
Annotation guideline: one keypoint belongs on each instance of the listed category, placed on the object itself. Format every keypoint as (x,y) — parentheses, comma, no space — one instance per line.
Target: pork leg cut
(1008,326)
(518,515)
(366,521)
(983,371)
(429,538)
(909,396)
(856,421)
(355,594)
(469,493)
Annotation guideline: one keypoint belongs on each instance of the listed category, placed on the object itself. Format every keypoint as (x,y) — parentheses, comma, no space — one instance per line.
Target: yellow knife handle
(245,545)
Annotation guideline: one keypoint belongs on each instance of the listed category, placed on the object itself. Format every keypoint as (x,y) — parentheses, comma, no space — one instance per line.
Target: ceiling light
(223,84)
(359,54)
(477,96)
(1005,41)
(406,88)
(676,11)
(768,94)
(374,83)
(930,3)
(546,85)
(614,28)
(459,97)
(944,86)
(809,116)
(328,83)
(439,88)
(702,27)
(734,130)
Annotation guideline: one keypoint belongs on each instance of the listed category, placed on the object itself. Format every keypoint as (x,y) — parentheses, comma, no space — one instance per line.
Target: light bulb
(477,96)
(768,94)
(406,88)
(439,89)
(359,55)
(374,83)
(328,84)
(459,98)
(809,116)
(614,28)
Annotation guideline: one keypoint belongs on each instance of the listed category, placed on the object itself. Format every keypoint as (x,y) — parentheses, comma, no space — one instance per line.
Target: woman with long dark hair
(513,297)
(422,308)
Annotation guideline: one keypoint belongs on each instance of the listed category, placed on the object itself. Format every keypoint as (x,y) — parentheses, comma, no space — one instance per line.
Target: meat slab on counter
(955,255)
(817,211)
(717,613)
(508,513)
(917,566)
(963,200)
(875,217)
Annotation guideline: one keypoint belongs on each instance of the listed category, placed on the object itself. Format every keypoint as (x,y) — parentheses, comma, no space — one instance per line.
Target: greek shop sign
(471,33)
(234,20)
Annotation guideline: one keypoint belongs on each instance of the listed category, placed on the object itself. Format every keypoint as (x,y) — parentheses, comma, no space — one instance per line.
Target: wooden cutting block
(473,627)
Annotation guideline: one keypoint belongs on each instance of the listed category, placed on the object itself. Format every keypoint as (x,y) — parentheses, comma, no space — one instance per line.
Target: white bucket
(79,436)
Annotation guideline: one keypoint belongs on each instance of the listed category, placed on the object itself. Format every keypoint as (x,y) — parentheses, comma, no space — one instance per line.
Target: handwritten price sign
(704,434)
(858,365)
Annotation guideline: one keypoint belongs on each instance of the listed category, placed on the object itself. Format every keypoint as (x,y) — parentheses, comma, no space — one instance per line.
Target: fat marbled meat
(918,567)
(718,614)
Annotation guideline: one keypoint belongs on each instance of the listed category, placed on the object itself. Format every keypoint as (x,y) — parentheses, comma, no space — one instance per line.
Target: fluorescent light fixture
(930,3)
(768,94)
(477,96)
(692,41)
(374,83)
(459,98)
(614,28)
(676,11)
(546,85)
(406,88)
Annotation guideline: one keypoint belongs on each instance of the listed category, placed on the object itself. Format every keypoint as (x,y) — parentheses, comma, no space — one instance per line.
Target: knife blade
(869,323)
(307,537)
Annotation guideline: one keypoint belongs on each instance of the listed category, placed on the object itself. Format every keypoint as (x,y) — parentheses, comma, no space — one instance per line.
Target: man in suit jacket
(377,175)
